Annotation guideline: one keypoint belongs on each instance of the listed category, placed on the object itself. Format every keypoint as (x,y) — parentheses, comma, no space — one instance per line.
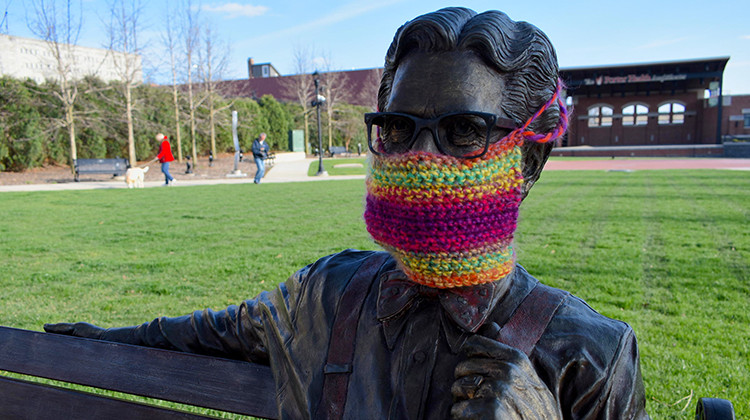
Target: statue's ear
(532,162)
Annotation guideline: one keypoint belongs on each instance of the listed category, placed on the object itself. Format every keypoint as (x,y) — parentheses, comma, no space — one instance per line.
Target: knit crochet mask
(448,221)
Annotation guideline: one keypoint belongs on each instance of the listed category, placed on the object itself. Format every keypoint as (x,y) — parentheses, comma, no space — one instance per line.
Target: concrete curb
(291,167)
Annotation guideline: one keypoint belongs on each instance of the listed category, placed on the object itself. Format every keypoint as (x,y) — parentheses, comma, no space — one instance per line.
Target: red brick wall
(691,131)
(732,112)
(699,125)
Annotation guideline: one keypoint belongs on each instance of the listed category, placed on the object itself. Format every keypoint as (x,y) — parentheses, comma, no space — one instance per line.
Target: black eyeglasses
(464,135)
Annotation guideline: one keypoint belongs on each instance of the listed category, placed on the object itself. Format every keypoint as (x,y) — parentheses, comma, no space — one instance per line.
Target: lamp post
(317,102)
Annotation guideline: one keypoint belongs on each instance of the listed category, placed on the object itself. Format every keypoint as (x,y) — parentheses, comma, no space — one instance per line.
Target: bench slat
(338,150)
(116,166)
(222,384)
(24,400)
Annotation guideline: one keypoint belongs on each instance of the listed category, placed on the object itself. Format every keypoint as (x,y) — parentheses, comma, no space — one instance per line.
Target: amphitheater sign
(633,78)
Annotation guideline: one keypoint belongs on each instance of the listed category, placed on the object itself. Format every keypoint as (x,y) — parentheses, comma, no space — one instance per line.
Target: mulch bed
(56,174)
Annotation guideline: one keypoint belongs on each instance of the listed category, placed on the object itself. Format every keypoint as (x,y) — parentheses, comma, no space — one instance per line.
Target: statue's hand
(499,382)
(78,329)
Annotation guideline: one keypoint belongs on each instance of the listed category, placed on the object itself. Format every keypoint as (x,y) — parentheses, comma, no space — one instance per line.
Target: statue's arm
(617,392)
(237,332)
(627,398)
(209,332)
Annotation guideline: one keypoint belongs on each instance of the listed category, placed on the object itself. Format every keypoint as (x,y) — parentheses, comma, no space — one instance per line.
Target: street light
(317,102)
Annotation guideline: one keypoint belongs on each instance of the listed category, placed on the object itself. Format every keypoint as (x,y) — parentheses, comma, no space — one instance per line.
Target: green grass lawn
(340,166)
(666,251)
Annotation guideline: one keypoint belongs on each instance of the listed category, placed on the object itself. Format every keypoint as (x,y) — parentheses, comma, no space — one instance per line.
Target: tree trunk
(211,124)
(193,140)
(330,130)
(307,125)
(178,137)
(194,151)
(71,135)
(129,116)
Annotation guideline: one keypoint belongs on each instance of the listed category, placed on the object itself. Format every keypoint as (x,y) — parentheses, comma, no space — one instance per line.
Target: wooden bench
(270,159)
(210,382)
(116,166)
(338,150)
(714,409)
(201,381)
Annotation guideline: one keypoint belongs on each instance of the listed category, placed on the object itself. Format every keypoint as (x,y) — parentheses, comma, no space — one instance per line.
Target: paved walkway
(293,167)
(622,164)
(289,167)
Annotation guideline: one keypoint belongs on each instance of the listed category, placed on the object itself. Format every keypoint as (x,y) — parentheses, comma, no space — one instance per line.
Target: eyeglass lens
(459,135)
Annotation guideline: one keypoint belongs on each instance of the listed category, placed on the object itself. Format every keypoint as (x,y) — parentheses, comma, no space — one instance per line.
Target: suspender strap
(528,322)
(341,347)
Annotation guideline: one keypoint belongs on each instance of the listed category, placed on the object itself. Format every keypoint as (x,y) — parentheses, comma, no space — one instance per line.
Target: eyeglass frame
(492,120)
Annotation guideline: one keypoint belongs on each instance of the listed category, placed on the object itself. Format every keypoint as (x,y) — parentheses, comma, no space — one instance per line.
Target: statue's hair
(520,52)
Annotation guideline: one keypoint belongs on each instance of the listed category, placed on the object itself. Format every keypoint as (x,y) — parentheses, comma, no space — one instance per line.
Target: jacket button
(419,357)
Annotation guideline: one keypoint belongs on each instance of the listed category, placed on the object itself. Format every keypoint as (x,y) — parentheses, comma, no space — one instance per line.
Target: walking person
(260,153)
(165,156)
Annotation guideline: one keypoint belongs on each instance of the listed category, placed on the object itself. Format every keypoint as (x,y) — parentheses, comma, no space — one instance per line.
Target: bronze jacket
(408,343)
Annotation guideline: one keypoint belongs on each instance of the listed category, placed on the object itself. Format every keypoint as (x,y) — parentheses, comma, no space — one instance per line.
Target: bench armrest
(714,409)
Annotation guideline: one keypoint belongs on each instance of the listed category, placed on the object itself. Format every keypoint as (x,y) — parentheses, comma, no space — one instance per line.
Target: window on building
(600,116)
(635,114)
(671,113)
(747,120)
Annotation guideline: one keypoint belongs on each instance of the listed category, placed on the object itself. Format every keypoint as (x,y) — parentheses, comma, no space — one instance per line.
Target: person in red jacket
(165,156)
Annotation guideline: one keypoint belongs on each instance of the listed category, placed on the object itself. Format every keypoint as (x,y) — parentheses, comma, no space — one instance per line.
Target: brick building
(662,108)
(359,87)
(672,108)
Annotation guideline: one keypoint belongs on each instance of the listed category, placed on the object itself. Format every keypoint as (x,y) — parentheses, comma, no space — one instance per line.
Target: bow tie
(468,306)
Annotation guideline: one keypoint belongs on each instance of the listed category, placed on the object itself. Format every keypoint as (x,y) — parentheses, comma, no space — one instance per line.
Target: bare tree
(336,85)
(191,39)
(349,124)
(123,29)
(170,42)
(300,86)
(60,30)
(368,95)
(212,58)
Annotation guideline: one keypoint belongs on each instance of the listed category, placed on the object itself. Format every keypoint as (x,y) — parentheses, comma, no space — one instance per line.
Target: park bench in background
(203,381)
(271,159)
(211,382)
(116,166)
(338,150)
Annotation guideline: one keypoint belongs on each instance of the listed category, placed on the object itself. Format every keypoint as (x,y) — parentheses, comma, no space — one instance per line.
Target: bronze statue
(445,323)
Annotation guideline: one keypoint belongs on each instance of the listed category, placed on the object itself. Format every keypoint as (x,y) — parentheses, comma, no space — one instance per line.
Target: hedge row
(31,133)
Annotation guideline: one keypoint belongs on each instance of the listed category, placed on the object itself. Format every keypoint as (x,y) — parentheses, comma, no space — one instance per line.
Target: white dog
(134,177)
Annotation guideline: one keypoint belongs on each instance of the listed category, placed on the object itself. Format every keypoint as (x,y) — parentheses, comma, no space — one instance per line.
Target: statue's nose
(425,142)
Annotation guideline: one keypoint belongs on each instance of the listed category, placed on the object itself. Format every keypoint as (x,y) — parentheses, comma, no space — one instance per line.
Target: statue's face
(430,84)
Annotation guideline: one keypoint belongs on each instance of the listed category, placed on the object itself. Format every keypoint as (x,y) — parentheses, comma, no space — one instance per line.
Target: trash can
(296,141)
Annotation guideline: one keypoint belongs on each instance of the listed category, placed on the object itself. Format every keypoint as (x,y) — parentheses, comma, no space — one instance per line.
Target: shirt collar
(467,307)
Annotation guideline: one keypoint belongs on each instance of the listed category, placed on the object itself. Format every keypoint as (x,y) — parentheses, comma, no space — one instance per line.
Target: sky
(355,34)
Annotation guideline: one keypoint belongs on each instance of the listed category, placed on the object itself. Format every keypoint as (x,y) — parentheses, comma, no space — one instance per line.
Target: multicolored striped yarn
(523,133)
(448,221)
